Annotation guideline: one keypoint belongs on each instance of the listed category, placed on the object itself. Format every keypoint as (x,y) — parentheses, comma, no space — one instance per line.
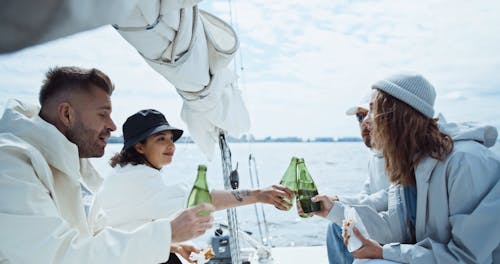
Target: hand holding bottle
(276,195)
(306,190)
(298,179)
(289,179)
(190,224)
(300,211)
(326,204)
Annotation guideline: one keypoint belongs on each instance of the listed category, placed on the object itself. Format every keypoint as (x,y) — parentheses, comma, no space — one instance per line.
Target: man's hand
(275,195)
(190,224)
(326,204)
(184,250)
(370,248)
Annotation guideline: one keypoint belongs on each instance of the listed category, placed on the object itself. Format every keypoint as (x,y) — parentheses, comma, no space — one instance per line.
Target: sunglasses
(360,116)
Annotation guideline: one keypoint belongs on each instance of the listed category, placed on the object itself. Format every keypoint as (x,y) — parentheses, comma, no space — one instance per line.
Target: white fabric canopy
(189,47)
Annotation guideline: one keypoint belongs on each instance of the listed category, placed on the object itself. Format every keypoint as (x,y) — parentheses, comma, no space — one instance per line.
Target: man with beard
(47,183)
(373,194)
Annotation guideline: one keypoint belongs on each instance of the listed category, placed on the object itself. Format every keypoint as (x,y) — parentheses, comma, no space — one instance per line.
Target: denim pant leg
(337,251)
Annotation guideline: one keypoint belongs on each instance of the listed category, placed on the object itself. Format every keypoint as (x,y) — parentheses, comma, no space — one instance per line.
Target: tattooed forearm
(239,194)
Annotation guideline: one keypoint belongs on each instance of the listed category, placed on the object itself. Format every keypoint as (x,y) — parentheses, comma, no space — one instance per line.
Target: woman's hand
(275,195)
(184,250)
(370,248)
(326,204)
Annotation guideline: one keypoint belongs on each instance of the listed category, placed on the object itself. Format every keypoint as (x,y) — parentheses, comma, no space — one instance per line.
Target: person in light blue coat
(449,189)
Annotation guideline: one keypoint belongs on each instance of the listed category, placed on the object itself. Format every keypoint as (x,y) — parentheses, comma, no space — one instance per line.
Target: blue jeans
(337,251)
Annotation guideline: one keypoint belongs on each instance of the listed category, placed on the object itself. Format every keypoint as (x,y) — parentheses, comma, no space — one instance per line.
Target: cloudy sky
(304,62)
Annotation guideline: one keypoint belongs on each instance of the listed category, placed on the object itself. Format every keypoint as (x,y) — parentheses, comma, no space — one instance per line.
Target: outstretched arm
(223,199)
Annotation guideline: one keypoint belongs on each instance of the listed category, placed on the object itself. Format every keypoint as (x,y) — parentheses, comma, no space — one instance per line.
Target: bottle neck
(201,180)
(304,179)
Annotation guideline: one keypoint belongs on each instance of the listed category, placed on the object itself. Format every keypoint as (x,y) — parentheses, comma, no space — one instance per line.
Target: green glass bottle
(200,194)
(289,180)
(306,190)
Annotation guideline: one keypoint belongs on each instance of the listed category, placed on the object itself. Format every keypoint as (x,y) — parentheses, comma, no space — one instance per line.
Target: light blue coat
(458,204)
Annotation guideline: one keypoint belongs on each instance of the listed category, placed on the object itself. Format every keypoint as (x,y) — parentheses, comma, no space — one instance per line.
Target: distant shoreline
(244,139)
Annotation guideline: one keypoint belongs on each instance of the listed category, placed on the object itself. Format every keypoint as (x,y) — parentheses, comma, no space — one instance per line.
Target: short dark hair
(63,79)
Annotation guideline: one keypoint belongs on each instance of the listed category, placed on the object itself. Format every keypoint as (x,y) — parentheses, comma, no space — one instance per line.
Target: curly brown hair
(405,137)
(128,156)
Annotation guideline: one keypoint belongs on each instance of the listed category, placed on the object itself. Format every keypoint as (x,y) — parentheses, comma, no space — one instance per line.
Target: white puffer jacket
(42,217)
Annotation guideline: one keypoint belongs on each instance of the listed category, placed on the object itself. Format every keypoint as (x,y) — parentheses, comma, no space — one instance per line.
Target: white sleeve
(375,188)
(384,227)
(377,201)
(34,231)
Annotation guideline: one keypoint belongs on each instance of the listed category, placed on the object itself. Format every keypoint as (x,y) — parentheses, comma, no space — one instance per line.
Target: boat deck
(312,254)
(290,255)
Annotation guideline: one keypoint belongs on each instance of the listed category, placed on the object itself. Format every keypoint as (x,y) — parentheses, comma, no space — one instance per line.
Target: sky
(304,62)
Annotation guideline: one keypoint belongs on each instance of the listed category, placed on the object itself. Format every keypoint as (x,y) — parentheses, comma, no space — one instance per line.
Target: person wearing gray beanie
(412,89)
(446,194)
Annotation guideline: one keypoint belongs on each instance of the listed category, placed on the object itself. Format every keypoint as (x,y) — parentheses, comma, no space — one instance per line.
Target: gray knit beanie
(412,89)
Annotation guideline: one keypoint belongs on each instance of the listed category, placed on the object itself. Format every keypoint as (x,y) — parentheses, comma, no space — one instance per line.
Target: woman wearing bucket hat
(450,189)
(134,193)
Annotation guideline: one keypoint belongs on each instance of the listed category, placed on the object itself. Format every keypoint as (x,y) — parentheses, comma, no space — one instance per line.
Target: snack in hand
(352,220)
(208,253)
(347,229)
(204,256)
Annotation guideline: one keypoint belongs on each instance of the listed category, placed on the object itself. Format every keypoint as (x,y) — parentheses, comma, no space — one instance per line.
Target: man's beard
(86,140)
(367,139)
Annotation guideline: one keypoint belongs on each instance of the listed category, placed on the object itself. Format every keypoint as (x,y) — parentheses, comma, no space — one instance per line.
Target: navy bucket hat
(145,123)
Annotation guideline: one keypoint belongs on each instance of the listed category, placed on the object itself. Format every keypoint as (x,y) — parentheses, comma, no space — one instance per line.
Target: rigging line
(233,24)
(250,157)
(241,82)
(267,242)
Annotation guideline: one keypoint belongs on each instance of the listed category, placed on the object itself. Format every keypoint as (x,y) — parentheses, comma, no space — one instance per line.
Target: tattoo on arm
(239,194)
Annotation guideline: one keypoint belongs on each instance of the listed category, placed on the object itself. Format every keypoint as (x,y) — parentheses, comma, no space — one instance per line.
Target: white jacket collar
(22,120)
(139,169)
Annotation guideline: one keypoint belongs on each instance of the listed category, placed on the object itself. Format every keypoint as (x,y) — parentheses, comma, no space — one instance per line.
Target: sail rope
(232,218)
(254,173)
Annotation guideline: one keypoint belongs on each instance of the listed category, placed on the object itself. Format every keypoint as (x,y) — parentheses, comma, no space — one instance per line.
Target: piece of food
(347,225)
(208,253)
(204,256)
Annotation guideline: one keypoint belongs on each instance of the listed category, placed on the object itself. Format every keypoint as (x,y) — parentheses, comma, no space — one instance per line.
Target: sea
(338,168)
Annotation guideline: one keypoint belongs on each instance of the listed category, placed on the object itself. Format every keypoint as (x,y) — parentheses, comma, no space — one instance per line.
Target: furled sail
(192,49)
